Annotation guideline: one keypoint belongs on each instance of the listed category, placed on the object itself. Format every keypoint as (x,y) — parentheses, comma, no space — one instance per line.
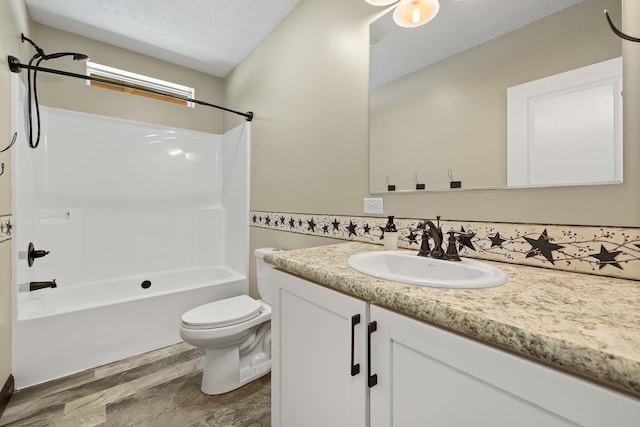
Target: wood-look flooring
(159,389)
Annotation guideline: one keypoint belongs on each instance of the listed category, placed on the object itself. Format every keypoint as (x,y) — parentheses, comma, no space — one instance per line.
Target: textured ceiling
(211,36)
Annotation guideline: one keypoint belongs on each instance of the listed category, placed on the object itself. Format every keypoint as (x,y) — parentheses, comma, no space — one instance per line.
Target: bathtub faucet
(34,286)
(33,253)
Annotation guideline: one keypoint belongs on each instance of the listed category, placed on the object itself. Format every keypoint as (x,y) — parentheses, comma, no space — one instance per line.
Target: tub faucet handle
(33,253)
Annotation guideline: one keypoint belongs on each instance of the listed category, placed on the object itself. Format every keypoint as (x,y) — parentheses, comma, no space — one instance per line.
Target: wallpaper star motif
(352,229)
(5,228)
(496,240)
(412,237)
(464,240)
(312,225)
(542,246)
(336,224)
(607,258)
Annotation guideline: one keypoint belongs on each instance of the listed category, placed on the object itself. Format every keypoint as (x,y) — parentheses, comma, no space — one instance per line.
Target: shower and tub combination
(134,224)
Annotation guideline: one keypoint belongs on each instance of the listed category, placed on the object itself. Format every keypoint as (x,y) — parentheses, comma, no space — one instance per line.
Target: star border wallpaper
(604,251)
(6,228)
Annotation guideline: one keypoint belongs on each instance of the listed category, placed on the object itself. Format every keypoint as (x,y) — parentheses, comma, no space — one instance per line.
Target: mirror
(438,93)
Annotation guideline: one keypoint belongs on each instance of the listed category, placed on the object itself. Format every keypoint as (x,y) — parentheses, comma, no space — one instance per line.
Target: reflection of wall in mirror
(566,129)
(452,115)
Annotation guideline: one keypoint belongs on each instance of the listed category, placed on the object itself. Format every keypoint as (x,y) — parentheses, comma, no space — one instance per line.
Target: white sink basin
(407,267)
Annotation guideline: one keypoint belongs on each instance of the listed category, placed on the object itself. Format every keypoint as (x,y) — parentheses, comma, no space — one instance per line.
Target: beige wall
(74,94)
(307,84)
(13,21)
(453,114)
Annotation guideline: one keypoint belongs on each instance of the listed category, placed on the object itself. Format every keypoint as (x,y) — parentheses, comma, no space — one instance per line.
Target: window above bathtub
(144,82)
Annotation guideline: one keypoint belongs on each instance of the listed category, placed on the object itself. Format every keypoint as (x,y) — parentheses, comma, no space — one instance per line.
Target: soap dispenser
(390,235)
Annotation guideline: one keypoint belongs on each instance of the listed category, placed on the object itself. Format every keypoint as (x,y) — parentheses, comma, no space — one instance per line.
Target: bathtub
(65,330)
(145,223)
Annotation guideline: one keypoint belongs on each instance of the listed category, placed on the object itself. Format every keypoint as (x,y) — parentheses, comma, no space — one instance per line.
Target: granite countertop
(586,324)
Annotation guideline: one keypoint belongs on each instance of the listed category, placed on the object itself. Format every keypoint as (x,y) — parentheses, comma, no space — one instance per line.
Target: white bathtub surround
(143,222)
(604,251)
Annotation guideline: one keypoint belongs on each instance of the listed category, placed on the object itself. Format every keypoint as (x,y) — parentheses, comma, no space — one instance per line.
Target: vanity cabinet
(316,378)
(413,374)
(428,376)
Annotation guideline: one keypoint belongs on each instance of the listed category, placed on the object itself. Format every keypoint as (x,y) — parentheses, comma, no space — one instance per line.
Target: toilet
(236,333)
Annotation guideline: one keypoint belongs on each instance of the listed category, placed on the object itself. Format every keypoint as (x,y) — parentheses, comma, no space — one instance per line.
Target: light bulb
(413,13)
(415,16)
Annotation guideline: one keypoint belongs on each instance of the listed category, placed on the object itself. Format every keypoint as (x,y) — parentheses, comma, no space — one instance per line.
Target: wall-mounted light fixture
(410,13)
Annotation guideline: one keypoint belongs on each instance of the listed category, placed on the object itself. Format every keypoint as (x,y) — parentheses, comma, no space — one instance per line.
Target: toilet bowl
(236,333)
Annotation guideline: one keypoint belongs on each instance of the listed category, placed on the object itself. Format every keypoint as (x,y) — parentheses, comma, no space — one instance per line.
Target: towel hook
(390,187)
(452,182)
(618,32)
(419,185)
(13,141)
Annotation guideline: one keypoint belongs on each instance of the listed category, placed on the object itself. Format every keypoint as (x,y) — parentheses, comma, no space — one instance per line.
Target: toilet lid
(226,312)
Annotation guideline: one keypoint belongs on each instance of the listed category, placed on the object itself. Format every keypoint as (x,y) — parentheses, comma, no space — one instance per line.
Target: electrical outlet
(373,205)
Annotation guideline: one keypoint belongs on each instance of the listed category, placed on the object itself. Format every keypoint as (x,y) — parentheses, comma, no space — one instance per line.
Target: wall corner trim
(6,393)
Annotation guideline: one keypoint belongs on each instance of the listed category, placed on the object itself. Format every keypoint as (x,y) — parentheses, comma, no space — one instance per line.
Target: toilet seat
(222,313)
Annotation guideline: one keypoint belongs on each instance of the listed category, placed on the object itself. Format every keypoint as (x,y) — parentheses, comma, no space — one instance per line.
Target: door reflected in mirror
(446,123)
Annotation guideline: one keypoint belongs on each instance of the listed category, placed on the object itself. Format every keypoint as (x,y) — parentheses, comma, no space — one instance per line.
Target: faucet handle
(460,233)
(425,249)
(452,249)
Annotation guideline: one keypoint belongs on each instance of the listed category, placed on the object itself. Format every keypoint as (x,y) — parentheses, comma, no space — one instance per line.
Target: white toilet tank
(263,274)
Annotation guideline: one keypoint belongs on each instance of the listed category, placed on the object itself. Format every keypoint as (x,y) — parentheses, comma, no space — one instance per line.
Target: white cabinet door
(431,377)
(312,336)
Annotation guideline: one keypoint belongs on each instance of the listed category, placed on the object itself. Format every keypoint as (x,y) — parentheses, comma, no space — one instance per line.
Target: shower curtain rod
(16,67)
